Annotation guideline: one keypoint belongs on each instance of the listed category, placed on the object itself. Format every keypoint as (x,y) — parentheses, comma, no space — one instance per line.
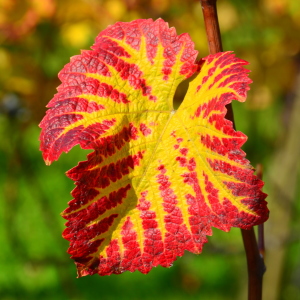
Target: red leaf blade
(158,179)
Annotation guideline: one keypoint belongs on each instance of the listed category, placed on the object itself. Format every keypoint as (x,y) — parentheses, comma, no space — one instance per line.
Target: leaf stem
(255,263)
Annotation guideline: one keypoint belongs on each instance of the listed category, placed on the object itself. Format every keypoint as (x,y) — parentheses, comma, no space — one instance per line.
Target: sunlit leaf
(158,179)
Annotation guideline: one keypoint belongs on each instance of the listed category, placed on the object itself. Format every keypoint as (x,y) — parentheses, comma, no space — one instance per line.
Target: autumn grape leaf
(158,179)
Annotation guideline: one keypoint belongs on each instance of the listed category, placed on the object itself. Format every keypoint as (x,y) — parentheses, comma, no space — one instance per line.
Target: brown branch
(261,238)
(209,9)
(255,262)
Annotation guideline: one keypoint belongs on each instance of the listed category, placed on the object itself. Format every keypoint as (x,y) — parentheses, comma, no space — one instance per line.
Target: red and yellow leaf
(158,179)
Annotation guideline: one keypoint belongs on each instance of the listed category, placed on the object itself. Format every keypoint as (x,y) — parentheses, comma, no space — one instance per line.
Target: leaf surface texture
(158,179)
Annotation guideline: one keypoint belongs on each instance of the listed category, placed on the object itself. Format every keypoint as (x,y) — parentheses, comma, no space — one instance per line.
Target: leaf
(158,179)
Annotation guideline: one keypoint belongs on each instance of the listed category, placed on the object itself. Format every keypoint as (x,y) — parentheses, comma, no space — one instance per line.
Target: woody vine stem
(255,263)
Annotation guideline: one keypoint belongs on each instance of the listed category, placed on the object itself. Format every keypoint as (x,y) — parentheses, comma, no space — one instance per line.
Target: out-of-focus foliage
(36,39)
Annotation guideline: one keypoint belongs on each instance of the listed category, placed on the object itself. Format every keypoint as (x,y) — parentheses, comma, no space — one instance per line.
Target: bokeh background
(37,38)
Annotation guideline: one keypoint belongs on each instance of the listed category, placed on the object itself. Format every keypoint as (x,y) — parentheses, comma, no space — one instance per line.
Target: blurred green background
(37,38)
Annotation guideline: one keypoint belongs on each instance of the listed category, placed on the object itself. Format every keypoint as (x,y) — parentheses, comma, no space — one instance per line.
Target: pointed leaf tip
(158,179)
